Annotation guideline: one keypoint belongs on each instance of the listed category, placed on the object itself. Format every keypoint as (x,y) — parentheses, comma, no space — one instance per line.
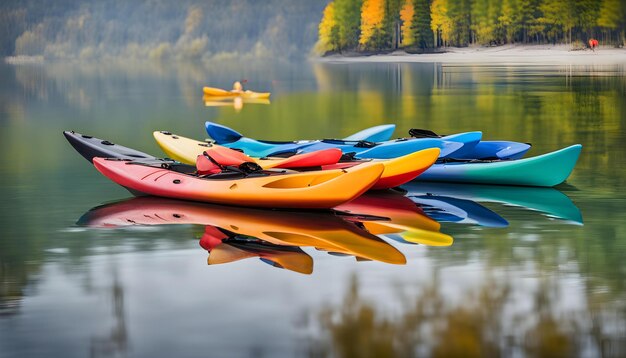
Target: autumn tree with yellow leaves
(441,23)
(328,31)
(372,15)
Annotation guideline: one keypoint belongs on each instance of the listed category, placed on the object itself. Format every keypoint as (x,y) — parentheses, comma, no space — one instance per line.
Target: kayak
(91,147)
(363,149)
(279,189)
(548,201)
(186,150)
(549,169)
(397,171)
(218,92)
(325,231)
(480,149)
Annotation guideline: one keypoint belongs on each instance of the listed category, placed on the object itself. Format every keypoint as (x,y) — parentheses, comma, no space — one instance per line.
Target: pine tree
(422,32)
(391,23)
(459,13)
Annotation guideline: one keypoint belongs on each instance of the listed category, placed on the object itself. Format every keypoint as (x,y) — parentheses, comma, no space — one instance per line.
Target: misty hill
(158,29)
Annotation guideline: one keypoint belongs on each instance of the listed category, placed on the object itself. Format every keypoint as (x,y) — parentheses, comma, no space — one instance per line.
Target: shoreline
(507,54)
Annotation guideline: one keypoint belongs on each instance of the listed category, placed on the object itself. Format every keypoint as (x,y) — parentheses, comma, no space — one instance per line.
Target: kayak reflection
(322,229)
(236,102)
(404,218)
(235,233)
(225,247)
(548,201)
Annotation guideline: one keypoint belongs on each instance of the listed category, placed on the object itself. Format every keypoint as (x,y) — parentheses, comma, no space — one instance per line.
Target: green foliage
(348,15)
(421,24)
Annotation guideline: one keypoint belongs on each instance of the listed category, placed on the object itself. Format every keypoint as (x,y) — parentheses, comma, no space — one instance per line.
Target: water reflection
(497,318)
(548,201)
(355,228)
(350,230)
(116,342)
(235,102)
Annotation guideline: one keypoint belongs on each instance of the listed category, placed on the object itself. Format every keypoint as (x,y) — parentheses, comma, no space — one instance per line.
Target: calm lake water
(502,271)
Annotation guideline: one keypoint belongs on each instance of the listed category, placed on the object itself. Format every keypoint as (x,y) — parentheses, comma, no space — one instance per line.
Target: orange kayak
(277,189)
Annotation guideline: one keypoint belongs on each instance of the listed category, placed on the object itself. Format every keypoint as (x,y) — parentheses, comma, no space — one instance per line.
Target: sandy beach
(509,54)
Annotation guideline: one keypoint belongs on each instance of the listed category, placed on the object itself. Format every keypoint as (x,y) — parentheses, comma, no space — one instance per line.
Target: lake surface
(505,271)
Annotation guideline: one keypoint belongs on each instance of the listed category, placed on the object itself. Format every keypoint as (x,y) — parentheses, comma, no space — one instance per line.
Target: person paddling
(238,87)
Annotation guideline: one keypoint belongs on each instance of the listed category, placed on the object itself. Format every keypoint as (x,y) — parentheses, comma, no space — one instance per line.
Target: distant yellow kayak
(218,92)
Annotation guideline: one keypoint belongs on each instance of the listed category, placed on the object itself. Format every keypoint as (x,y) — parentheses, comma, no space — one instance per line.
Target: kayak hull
(547,170)
(317,189)
(90,147)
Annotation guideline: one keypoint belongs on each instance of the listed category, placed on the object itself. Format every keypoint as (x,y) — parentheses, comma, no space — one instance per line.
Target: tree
(558,16)
(391,23)
(459,13)
(484,15)
(328,30)
(422,32)
(440,24)
(612,14)
(348,15)
(406,16)
(372,15)
(509,21)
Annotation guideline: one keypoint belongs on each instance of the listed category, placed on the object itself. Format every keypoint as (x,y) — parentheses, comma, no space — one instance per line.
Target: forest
(423,25)
(158,29)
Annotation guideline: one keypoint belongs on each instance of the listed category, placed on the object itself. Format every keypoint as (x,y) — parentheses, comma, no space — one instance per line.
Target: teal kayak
(549,169)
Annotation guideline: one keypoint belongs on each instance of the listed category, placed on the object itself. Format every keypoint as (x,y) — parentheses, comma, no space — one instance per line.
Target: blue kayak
(483,149)
(362,148)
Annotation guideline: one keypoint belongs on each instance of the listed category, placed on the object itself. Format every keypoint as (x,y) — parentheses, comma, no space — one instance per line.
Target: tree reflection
(485,322)
(116,341)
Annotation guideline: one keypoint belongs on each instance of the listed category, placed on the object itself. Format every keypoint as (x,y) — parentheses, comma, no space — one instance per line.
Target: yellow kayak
(218,92)
(397,171)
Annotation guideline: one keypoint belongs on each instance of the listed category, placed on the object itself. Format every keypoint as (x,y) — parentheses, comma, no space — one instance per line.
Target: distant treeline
(375,25)
(159,29)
